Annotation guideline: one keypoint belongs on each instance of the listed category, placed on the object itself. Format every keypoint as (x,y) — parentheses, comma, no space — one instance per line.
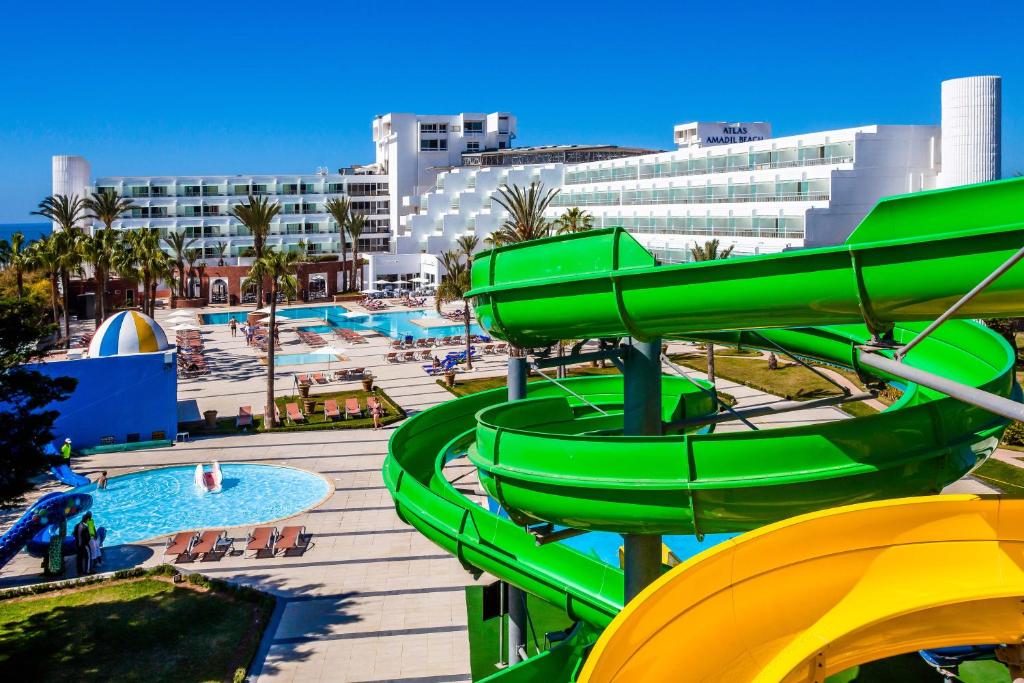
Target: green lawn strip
(483,635)
(316,420)
(910,668)
(133,630)
(1007,478)
(792,382)
(857,409)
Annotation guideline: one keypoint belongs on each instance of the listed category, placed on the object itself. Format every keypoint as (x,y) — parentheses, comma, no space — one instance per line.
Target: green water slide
(560,456)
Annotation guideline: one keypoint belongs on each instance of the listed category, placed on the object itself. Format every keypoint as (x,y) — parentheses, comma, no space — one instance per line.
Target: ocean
(31,230)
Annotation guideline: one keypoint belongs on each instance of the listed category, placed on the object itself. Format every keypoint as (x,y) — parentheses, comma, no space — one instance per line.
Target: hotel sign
(722,133)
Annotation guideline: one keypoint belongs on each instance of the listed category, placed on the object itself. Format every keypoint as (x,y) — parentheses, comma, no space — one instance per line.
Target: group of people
(247,331)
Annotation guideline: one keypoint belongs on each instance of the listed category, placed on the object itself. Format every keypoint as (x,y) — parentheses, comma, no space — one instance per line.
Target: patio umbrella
(331,351)
(371,290)
(384,282)
(182,328)
(265,309)
(419,280)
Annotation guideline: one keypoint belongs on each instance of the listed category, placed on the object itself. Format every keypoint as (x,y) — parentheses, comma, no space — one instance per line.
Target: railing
(569,200)
(638,172)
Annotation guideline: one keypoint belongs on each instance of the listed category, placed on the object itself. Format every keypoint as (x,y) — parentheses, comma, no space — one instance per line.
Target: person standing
(377,412)
(234,327)
(101,482)
(65,452)
(81,533)
(95,555)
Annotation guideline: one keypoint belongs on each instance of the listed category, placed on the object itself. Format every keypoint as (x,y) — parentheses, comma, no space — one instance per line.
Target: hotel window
(241,190)
(433,128)
(474,127)
(192,190)
(289,188)
(502,144)
(433,145)
(473,146)
(210,190)
(308,188)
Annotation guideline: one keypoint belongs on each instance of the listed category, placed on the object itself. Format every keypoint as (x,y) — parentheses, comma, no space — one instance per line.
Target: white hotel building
(435,178)
(760,194)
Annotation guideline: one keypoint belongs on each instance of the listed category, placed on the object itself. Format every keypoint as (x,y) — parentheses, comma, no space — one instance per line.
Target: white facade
(971,130)
(762,197)
(415,148)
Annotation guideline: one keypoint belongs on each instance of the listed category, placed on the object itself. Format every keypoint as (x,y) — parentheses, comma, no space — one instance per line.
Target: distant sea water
(31,230)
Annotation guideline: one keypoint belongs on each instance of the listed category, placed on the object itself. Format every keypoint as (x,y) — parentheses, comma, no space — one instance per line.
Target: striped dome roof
(128,332)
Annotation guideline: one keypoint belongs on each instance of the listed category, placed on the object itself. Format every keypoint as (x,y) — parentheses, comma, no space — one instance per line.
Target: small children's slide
(68,477)
(34,527)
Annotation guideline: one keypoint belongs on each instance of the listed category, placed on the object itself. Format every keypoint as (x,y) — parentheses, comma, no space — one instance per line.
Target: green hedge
(315,421)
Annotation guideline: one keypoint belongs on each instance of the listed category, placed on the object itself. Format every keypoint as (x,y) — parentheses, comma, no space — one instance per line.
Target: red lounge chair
(319,378)
(293,540)
(180,545)
(410,356)
(352,408)
(304,380)
(244,418)
(294,414)
(331,411)
(261,541)
(392,357)
(212,545)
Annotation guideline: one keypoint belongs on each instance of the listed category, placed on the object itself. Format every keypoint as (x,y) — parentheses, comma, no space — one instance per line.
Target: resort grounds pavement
(372,600)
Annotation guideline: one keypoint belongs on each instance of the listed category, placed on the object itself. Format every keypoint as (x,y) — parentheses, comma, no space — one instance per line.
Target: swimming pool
(395,324)
(285,359)
(160,502)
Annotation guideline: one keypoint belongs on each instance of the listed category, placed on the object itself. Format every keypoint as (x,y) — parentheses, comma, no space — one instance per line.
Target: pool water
(161,502)
(396,324)
(286,359)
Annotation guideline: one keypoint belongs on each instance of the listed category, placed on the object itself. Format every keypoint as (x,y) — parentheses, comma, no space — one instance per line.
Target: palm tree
(142,260)
(180,246)
(340,210)
(69,262)
(65,211)
(43,258)
(573,220)
(356,225)
(100,251)
(526,212)
(15,255)
(454,286)
(278,267)
(222,248)
(106,206)
(193,256)
(467,247)
(256,215)
(710,252)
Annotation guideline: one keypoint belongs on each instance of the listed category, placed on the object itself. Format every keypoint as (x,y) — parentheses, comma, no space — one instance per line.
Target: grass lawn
(137,630)
(483,635)
(910,668)
(1007,478)
(790,381)
(316,420)
(464,387)
(858,409)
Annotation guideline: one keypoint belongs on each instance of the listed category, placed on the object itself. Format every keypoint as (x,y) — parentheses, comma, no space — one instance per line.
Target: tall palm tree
(100,252)
(573,220)
(455,284)
(142,260)
(222,248)
(256,215)
(67,212)
(69,262)
(340,210)
(106,207)
(15,256)
(709,252)
(356,226)
(467,245)
(279,268)
(193,256)
(43,258)
(526,212)
(180,246)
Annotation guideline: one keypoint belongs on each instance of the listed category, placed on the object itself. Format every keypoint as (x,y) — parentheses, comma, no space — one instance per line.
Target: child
(101,483)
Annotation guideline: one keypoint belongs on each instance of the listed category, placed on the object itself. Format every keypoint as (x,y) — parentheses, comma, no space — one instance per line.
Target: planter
(304,391)
(368,383)
(449,379)
(211,418)
(308,404)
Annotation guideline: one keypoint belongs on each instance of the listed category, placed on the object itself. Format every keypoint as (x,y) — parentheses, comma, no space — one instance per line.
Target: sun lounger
(409,356)
(294,414)
(244,418)
(319,378)
(293,541)
(331,411)
(212,545)
(426,354)
(261,541)
(352,408)
(489,349)
(303,380)
(180,545)
(392,357)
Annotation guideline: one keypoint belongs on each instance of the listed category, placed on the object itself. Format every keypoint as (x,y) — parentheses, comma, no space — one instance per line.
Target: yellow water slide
(816,594)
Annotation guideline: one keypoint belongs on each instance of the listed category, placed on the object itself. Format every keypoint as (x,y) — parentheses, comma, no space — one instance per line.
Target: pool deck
(372,600)
(436,322)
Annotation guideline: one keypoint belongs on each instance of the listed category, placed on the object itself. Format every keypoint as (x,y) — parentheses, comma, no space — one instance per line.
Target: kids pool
(396,324)
(160,502)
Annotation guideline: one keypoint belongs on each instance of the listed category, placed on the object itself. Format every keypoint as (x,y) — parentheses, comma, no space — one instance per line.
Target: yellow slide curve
(813,595)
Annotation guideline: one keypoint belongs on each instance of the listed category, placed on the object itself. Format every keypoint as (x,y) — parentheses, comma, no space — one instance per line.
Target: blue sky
(271,87)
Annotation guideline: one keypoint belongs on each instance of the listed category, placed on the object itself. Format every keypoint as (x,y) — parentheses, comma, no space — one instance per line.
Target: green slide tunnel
(554,458)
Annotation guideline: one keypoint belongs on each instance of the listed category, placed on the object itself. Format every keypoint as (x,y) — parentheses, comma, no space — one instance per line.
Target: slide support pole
(517,371)
(642,417)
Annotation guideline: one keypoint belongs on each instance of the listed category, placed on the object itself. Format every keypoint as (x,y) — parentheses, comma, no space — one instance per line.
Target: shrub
(1014,434)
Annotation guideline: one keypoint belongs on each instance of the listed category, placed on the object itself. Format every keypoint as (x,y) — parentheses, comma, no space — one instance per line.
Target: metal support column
(641,417)
(517,371)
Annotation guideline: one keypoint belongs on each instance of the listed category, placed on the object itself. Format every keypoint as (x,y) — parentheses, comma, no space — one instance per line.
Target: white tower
(70,176)
(971,130)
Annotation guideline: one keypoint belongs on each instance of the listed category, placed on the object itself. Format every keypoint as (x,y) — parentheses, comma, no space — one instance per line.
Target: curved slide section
(49,510)
(887,578)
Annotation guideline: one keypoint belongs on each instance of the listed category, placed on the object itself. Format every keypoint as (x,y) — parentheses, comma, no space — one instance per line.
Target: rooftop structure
(547,154)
